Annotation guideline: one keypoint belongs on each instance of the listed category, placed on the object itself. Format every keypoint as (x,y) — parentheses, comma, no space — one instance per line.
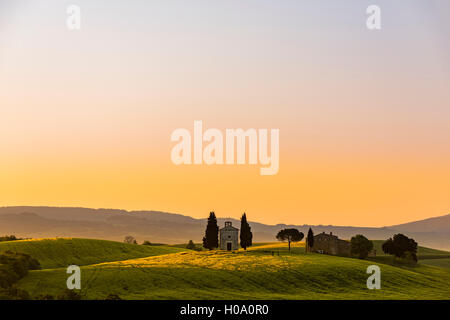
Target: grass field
(62,252)
(443,263)
(266,271)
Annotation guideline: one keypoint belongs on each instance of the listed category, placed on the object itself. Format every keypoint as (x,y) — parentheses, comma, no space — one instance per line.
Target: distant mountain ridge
(435,224)
(157,226)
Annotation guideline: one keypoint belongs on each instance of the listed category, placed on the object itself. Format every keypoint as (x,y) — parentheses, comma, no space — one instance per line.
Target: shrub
(44,297)
(191,245)
(68,295)
(13,293)
(113,296)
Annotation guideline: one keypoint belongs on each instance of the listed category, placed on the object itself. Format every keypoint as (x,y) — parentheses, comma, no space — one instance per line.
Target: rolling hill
(251,274)
(56,253)
(435,224)
(155,226)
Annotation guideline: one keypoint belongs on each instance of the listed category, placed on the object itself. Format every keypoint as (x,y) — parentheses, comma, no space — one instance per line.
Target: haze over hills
(156,226)
(435,224)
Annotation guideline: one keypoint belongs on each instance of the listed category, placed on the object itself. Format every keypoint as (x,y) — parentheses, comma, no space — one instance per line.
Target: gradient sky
(364,116)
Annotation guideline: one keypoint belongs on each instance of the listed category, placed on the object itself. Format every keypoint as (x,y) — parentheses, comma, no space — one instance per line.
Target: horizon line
(173,213)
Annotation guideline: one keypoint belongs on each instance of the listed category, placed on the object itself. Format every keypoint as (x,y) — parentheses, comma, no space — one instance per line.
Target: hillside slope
(435,224)
(255,274)
(57,253)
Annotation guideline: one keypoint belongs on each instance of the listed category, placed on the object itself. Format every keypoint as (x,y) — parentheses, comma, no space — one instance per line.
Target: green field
(62,252)
(443,263)
(266,271)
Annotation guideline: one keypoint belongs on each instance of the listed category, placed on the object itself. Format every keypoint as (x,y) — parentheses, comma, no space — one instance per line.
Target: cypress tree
(211,238)
(309,240)
(246,233)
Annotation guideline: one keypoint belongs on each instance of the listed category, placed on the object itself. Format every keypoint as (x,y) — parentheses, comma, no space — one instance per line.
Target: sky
(86,116)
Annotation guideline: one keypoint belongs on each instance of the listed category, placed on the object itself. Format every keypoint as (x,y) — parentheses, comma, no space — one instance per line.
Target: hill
(57,253)
(163,227)
(254,274)
(436,224)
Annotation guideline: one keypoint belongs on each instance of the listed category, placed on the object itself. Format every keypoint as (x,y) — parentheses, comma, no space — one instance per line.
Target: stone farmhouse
(330,244)
(228,237)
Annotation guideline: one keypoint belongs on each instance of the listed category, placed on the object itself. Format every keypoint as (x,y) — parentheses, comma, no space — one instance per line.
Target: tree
(13,267)
(130,239)
(146,243)
(19,263)
(290,235)
(309,240)
(246,233)
(9,238)
(191,245)
(361,246)
(211,238)
(401,247)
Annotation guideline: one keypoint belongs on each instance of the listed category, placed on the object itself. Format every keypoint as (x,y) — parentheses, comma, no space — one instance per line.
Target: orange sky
(364,118)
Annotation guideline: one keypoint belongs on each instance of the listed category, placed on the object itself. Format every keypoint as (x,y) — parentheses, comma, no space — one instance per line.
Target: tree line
(400,246)
(13,267)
